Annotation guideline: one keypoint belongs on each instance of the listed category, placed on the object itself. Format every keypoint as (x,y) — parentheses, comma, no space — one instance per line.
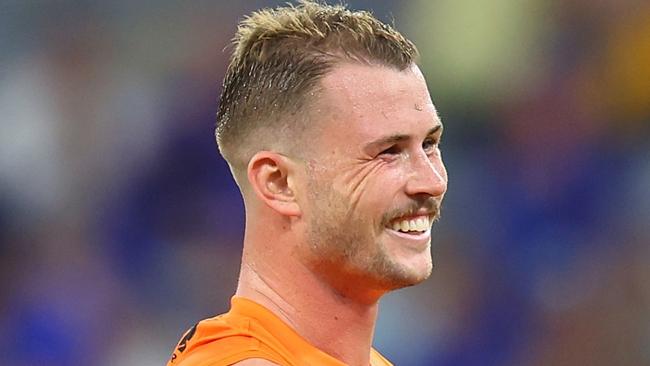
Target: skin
(318,250)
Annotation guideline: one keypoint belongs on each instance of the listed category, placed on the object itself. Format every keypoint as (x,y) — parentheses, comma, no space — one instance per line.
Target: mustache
(430,205)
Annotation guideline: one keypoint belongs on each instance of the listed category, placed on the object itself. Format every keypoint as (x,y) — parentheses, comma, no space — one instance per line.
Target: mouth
(413,226)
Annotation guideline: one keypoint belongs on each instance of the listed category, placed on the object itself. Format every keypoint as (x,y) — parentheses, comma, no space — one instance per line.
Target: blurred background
(120,226)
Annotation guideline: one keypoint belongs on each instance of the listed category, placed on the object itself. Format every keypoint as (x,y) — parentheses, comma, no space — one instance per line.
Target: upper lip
(411,215)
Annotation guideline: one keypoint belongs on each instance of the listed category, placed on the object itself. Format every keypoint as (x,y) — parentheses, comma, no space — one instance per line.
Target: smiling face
(375,179)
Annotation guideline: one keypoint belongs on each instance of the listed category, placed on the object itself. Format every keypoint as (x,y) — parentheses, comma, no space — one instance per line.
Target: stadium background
(120,225)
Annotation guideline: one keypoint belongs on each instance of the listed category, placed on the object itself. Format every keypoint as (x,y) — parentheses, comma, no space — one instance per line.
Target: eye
(393,150)
(430,145)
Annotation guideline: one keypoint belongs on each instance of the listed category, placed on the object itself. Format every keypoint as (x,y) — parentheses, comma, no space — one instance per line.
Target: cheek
(356,182)
(372,190)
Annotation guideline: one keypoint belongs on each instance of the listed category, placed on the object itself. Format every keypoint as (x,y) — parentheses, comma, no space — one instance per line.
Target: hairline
(301,117)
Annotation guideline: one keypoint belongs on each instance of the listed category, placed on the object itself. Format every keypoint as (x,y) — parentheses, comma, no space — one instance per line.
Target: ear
(271,178)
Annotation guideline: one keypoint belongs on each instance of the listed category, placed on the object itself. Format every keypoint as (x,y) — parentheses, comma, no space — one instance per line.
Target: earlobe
(270,176)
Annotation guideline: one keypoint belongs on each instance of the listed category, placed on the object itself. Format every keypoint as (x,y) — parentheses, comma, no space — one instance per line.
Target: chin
(418,276)
(399,275)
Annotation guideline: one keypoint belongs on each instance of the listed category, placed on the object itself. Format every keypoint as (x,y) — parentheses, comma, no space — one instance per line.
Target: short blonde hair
(280,56)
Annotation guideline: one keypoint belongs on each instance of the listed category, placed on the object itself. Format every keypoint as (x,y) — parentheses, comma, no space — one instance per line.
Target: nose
(428,176)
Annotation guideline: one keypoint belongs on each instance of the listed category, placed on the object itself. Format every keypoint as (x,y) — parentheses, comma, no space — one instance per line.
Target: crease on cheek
(353,182)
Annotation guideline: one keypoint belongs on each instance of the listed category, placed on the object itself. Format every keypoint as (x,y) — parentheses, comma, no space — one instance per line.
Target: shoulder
(256,362)
(376,359)
(220,347)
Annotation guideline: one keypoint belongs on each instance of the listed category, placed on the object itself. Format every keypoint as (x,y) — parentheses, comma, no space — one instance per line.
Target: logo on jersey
(182,344)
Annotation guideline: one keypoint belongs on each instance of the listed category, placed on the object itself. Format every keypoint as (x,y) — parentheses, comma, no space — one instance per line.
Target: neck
(336,324)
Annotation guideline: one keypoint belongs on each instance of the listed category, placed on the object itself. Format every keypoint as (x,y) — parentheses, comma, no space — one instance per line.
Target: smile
(412,225)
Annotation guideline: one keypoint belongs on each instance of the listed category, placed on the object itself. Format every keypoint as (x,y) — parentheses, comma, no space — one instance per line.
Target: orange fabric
(249,330)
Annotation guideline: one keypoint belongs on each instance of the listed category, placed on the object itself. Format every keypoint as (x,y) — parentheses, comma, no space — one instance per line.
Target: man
(330,133)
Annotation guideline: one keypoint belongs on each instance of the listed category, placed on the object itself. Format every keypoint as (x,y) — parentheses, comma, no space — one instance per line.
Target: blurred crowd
(120,225)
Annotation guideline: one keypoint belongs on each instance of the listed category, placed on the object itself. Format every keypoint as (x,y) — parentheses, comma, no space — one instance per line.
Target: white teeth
(404,225)
(420,224)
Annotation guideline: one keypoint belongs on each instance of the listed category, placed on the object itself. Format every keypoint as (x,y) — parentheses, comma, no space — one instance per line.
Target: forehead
(361,102)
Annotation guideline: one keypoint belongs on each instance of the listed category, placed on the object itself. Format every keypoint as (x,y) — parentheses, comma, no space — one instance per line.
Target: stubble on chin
(345,246)
(345,252)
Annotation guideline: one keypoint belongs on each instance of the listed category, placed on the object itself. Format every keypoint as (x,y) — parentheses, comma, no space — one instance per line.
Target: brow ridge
(392,139)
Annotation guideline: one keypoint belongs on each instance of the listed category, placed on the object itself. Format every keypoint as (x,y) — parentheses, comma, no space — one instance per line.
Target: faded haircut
(279,57)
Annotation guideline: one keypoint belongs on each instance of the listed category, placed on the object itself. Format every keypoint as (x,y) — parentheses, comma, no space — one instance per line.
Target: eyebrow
(392,139)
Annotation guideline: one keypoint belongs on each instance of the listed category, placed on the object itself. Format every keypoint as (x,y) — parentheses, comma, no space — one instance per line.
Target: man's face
(375,178)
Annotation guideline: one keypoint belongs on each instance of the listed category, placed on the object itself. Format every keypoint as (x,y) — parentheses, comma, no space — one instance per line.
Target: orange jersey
(249,330)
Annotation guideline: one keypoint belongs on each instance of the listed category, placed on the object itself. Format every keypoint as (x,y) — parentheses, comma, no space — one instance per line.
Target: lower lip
(418,241)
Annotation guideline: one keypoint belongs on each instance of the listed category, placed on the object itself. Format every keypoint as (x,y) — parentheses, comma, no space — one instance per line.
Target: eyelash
(434,142)
(395,149)
(391,150)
